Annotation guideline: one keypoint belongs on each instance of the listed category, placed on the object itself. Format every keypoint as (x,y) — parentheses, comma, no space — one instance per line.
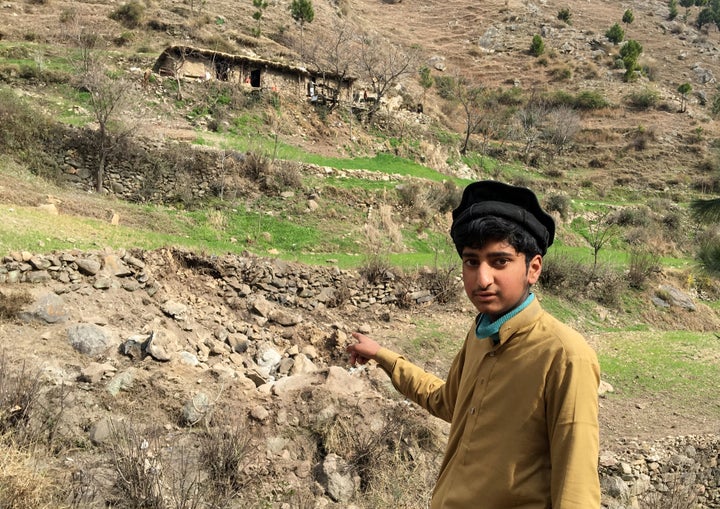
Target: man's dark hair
(478,232)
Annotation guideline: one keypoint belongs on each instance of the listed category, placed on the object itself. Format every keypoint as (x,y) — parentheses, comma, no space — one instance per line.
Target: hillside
(174,351)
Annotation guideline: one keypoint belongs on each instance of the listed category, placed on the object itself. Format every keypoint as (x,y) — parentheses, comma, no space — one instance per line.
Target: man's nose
(484,275)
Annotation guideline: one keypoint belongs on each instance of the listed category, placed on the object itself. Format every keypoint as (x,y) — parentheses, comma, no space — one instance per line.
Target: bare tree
(561,128)
(106,95)
(383,64)
(529,122)
(600,231)
(471,98)
(332,52)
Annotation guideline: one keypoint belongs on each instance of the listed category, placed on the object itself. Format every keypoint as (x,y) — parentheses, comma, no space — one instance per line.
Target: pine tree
(302,11)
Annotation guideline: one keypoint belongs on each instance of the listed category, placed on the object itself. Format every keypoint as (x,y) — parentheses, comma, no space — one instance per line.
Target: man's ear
(534,269)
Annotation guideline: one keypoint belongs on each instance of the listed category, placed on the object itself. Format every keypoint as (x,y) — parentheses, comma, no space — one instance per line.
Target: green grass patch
(681,366)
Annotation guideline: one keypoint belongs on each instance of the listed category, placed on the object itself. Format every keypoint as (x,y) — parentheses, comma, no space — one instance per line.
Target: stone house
(255,73)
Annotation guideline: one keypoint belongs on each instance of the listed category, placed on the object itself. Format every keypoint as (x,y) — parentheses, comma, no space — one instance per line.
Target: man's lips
(483,295)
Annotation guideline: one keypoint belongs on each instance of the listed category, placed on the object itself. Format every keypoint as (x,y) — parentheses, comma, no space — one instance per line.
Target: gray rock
(89,339)
(334,477)
(114,266)
(284,318)
(196,409)
(49,308)
(94,372)
(122,381)
(189,359)
(38,276)
(267,356)
(174,309)
(102,431)
(88,266)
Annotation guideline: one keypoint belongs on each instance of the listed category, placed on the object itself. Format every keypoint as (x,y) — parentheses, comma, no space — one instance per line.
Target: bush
(225,452)
(590,100)
(564,275)
(563,73)
(11,303)
(256,166)
(615,34)
(565,15)
(442,282)
(376,269)
(21,485)
(631,216)
(445,86)
(537,47)
(709,252)
(129,14)
(559,203)
(642,266)
(282,177)
(644,99)
(138,467)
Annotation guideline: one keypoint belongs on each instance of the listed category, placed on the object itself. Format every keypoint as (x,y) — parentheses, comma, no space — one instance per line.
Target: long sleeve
(427,390)
(572,419)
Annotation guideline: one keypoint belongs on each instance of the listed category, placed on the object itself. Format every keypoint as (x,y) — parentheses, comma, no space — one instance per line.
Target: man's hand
(362,351)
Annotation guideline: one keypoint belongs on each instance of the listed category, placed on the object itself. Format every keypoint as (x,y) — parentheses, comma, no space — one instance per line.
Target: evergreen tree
(630,52)
(628,17)
(537,47)
(565,15)
(260,6)
(684,90)
(673,8)
(709,14)
(302,11)
(615,34)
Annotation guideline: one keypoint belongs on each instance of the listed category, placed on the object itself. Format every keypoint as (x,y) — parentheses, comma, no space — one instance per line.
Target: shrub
(376,269)
(225,452)
(129,14)
(442,282)
(21,485)
(615,34)
(565,15)
(445,86)
(642,265)
(641,137)
(11,303)
(559,203)
(256,165)
(631,216)
(563,73)
(606,287)
(137,464)
(709,252)
(564,275)
(537,47)
(644,99)
(282,177)
(589,100)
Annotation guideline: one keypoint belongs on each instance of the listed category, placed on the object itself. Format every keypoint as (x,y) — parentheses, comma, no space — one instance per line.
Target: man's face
(496,277)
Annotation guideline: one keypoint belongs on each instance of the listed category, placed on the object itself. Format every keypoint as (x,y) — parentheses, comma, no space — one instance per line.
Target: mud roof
(189,51)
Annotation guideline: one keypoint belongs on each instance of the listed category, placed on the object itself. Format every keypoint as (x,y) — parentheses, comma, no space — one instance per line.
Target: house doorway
(255,78)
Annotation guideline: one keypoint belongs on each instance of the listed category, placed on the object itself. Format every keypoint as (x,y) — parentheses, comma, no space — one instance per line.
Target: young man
(521,395)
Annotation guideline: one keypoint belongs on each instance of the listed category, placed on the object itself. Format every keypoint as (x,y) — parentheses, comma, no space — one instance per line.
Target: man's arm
(572,417)
(427,390)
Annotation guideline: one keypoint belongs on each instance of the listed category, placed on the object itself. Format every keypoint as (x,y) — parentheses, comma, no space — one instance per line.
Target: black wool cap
(517,204)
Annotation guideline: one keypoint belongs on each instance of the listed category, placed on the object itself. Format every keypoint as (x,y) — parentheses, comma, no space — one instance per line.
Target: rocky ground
(169,341)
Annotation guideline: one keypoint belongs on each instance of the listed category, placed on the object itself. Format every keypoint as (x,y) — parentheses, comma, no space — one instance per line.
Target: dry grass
(22,485)
(13,302)
(392,459)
